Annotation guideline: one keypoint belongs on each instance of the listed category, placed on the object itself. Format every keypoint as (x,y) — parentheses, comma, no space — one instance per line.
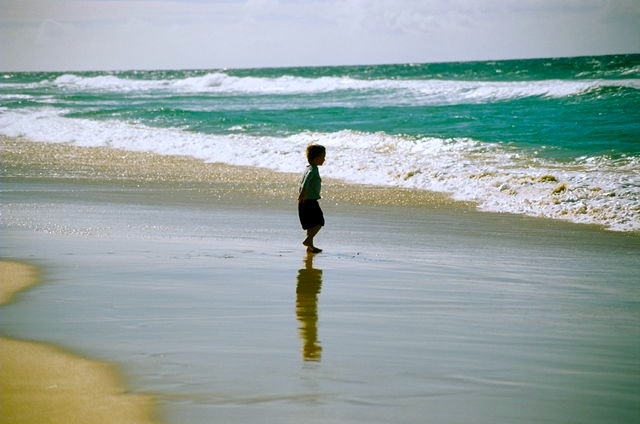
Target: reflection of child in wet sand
(307,291)
(311,216)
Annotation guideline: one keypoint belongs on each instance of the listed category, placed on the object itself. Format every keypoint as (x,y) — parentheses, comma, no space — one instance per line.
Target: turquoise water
(558,138)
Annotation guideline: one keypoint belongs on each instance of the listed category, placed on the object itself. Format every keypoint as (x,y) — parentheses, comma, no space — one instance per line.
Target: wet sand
(191,277)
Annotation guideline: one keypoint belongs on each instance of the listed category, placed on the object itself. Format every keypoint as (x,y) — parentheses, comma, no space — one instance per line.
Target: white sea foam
(591,190)
(413,91)
(105,83)
(12,96)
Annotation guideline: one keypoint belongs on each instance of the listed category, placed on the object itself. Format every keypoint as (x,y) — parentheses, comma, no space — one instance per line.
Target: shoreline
(43,383)
(22,158)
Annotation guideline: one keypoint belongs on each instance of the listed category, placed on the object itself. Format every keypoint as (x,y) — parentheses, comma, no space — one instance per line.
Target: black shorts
(310,214)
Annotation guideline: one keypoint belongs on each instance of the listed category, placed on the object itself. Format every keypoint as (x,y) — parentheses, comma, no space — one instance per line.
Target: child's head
(314,151)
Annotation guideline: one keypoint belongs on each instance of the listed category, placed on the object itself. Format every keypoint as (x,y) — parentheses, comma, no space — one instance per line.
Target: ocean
(556,138)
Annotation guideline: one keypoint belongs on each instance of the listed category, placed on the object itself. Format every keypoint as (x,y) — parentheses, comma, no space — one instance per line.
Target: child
(309,211)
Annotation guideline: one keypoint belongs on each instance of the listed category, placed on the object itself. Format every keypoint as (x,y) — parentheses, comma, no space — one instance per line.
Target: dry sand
(14,277)
(43,384)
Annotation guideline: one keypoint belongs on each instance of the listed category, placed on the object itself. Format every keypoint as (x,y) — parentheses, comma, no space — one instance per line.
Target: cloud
(107,34)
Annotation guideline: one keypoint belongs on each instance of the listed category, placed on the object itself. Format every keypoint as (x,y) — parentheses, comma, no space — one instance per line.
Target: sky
(74,35)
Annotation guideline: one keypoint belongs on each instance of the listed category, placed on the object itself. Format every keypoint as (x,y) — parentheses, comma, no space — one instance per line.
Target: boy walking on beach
(311,216)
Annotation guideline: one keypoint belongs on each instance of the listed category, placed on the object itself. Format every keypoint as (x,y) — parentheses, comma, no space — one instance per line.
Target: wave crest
(403,91)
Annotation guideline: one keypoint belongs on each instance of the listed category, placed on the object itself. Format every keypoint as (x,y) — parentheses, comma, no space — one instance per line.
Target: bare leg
(311,233)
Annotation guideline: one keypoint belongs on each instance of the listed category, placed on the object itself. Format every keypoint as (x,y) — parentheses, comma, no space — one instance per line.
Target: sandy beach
(15,277)
(191,279)
(43,384)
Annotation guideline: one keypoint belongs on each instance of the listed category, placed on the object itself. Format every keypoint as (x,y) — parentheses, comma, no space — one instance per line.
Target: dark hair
(315,150)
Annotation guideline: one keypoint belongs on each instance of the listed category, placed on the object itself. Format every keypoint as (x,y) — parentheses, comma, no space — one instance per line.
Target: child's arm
(303,187)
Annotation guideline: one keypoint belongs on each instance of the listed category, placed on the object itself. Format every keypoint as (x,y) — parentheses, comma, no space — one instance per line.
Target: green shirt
(311,183)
